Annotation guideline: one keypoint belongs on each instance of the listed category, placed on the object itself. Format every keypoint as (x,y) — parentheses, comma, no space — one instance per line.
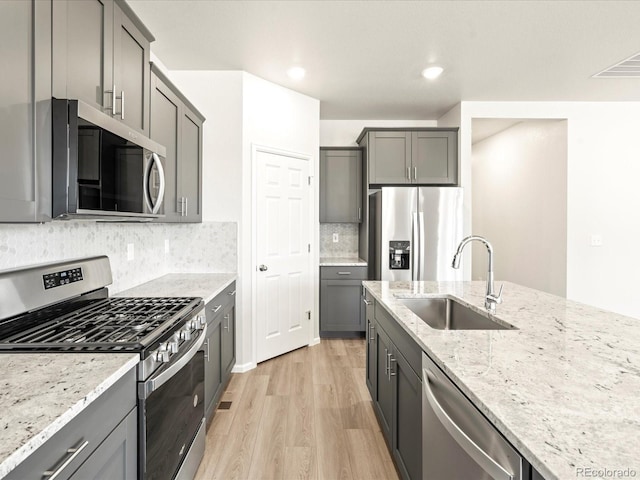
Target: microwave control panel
(56,279)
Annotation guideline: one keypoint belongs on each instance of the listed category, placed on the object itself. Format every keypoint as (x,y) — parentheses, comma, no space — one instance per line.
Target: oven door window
(173,414)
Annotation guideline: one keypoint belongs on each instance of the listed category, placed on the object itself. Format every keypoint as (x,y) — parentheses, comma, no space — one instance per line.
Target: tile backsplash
(193,248)
(347,246)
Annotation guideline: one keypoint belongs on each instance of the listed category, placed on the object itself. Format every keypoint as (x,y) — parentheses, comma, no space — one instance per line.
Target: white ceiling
(364,58)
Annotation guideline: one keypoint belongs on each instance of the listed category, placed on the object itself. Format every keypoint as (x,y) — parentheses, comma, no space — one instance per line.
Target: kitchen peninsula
(562,386)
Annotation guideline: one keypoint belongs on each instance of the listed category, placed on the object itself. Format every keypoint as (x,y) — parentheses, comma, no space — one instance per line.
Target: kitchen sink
(447,314)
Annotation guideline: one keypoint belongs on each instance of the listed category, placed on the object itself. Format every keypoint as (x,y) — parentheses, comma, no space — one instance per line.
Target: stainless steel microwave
(101,168)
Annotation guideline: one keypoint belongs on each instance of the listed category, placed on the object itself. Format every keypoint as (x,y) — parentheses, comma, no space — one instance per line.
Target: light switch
(336,238)
(166,246)
(130,252)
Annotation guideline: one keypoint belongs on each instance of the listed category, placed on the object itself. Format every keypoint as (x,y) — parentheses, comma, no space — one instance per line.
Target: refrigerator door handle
(421,246)
(415,248)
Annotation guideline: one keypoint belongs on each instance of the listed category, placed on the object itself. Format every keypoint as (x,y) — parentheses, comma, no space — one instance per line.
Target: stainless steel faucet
(490,299)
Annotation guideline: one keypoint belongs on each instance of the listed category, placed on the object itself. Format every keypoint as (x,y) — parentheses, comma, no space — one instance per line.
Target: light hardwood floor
(303,415)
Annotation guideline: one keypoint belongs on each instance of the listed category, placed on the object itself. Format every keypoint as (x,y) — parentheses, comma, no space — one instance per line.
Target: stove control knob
(191,325)
(185,334)
(173,347)
(201,322)
(162,354)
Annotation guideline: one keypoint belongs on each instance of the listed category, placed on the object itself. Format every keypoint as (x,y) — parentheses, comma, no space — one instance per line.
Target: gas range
(65,307)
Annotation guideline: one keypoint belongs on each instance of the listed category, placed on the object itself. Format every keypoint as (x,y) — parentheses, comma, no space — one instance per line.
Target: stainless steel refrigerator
(416,231)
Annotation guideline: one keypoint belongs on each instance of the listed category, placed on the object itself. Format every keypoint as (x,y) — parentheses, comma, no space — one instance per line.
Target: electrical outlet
(166,246)
(595,240)
(336,238)
(130,252)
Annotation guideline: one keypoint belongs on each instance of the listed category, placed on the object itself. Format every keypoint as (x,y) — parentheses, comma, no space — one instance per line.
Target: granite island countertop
(342,262)
(42,392)
(564,388)
(205,285)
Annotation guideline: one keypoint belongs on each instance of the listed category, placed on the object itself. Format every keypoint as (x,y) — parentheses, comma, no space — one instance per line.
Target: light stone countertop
(564,388)
(342,262)
(205,285)
(42,392)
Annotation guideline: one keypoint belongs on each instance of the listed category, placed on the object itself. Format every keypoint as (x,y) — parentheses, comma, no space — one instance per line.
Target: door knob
(263,268)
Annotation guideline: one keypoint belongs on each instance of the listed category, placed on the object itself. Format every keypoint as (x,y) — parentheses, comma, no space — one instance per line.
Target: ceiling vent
(629,68)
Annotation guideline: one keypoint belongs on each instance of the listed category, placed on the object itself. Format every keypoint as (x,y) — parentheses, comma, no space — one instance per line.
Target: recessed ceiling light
(432,72)
(296,73)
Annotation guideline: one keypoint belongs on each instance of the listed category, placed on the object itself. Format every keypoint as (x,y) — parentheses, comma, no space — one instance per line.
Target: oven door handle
(154,383)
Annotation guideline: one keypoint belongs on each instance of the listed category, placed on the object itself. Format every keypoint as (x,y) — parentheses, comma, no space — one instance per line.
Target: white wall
(343,133)
(218,96)
(519,179)
(280,118)
(242,110)
(602,193)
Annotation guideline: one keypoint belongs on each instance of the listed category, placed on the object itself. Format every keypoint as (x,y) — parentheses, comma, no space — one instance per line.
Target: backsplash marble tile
(348,240)
(205,247)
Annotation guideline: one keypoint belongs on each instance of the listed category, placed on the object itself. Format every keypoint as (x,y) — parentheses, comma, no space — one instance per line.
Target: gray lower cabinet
(397,395)
(340,185)
(219,347)
(101,53)
(176,124)
(117,455)
(370,334)
(99,443)
(340,301)
(25,111)
(425,156)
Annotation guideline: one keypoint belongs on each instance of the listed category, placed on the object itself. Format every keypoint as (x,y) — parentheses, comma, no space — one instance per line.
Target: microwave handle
(158,162)
(154,208)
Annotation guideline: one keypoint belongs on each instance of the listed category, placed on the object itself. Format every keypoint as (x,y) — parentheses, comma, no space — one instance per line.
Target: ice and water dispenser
(399,251)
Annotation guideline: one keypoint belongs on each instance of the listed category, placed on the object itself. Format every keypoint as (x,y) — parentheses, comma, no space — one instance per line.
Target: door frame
(311,224)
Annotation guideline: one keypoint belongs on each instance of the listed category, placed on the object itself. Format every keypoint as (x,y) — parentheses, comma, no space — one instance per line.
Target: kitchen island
(562,387)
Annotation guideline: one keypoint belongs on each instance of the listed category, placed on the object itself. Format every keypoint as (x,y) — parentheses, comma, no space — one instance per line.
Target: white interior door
(284,292)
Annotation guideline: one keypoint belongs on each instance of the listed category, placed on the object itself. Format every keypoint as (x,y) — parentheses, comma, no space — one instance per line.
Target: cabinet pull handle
(206,355)
(232,293)
(186,206)
(415,173)
(386,362)
(389,364)
(344,273)
(372,329)
(216,308)
(409,173)
(122,105)
(226,317)
(367,302)
(74,452)
(113,101)
(392,373)
(359,213)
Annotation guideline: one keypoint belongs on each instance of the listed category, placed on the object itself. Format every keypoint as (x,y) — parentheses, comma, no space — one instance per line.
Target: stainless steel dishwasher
(458,442)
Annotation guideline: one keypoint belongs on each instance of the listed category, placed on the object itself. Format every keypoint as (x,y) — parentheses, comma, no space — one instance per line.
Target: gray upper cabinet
(176,124)
(426,156)
(434,157)
(131,67)
(101,54)
(340,185)
(389,157)
(25,111)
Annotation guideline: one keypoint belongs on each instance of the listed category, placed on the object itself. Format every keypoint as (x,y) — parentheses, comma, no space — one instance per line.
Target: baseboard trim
(244,367)
(315,341)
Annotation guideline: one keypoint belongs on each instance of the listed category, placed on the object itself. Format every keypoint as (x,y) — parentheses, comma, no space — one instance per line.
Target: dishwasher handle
(482,458)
